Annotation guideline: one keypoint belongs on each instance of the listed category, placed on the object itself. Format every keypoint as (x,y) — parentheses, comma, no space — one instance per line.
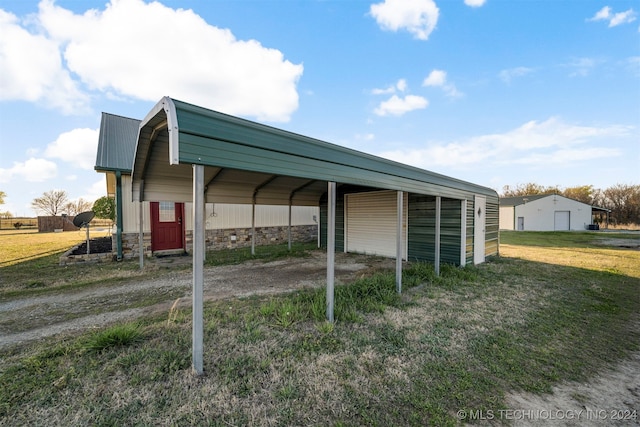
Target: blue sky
(496,92)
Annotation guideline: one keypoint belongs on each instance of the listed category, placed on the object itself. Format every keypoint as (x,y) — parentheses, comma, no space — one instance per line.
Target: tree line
(56,202)
(623,200)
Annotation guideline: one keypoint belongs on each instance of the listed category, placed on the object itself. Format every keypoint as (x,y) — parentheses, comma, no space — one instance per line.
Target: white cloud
(77,147)
(401,85)
(614,19)
(510,73)
(438,78)
(633,64)
(32,170)
(365,137)
(386,91)
(622,18)
(32,70)
(95,191)
(396,106)
(435,78)
(533,143)
(568,156)
(474,3)
(581,66)
(602,14)
(134,49)
(419,17)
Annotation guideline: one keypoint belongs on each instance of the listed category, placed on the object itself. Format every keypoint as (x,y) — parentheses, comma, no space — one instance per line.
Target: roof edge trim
(167,105)
(106,169)
(172,128)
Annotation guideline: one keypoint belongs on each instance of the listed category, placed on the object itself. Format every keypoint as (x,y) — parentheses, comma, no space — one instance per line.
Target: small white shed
(544,212)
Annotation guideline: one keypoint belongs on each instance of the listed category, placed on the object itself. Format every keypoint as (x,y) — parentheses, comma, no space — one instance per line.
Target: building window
(167,212)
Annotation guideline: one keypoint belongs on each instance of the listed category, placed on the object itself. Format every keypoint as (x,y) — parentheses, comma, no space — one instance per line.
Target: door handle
(179,220)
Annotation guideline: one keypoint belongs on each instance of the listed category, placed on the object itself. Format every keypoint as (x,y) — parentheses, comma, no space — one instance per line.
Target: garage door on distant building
(370,223)
(561,221)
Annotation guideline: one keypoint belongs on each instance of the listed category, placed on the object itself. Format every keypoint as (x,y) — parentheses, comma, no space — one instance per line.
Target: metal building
(167,225)
(186,153)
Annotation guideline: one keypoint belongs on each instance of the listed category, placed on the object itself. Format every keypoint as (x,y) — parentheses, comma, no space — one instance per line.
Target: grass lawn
(17,246)
(29,264)
(554,307)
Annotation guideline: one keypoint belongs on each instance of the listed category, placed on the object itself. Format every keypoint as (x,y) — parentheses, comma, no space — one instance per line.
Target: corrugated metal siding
(422,231)
(226,215)
(422,226)
(450,235)
(339,222)
(507,218)
(221,216)
(116,143)
(492,227)
(371,223)
(130,210)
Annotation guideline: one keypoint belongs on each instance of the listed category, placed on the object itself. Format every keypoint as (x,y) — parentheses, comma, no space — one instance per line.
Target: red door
(167,226)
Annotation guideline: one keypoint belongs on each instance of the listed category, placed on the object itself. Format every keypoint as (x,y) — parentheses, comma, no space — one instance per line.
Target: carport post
(253,227)
(437,242)
(119,219)
(141,234)
(198,267)
(289,230)
(331,246)
(399,244)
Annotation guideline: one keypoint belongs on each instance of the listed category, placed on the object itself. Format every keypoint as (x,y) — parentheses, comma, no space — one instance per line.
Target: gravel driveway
(27,319)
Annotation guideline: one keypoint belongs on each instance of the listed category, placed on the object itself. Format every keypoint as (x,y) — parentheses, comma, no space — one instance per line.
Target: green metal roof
(116,143)
(247,160)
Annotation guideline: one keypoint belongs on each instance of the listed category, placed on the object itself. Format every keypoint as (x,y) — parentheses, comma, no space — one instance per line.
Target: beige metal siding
(220,215)
(370,223)
(130,210)
(507,218)
(224,216)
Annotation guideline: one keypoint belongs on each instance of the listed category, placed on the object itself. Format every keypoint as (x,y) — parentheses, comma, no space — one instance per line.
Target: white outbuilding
(545,212)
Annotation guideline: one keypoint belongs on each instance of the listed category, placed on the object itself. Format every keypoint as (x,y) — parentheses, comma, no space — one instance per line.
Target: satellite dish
(82,220)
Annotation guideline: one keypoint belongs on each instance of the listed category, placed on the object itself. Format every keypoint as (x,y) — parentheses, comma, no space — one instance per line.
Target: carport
(187,153)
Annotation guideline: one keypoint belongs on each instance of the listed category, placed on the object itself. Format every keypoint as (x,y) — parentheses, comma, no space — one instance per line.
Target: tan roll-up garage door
(370,221)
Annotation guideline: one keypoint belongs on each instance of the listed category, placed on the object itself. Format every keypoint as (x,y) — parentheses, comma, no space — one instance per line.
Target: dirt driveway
(33,318)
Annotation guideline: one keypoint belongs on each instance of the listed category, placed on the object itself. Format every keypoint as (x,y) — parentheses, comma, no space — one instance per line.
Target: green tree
(528,189)
(2,196)
(105,208)
(583,193)
(51,202)
(624,202)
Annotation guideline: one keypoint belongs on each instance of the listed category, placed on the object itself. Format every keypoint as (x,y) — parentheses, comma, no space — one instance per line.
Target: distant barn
(547,212)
